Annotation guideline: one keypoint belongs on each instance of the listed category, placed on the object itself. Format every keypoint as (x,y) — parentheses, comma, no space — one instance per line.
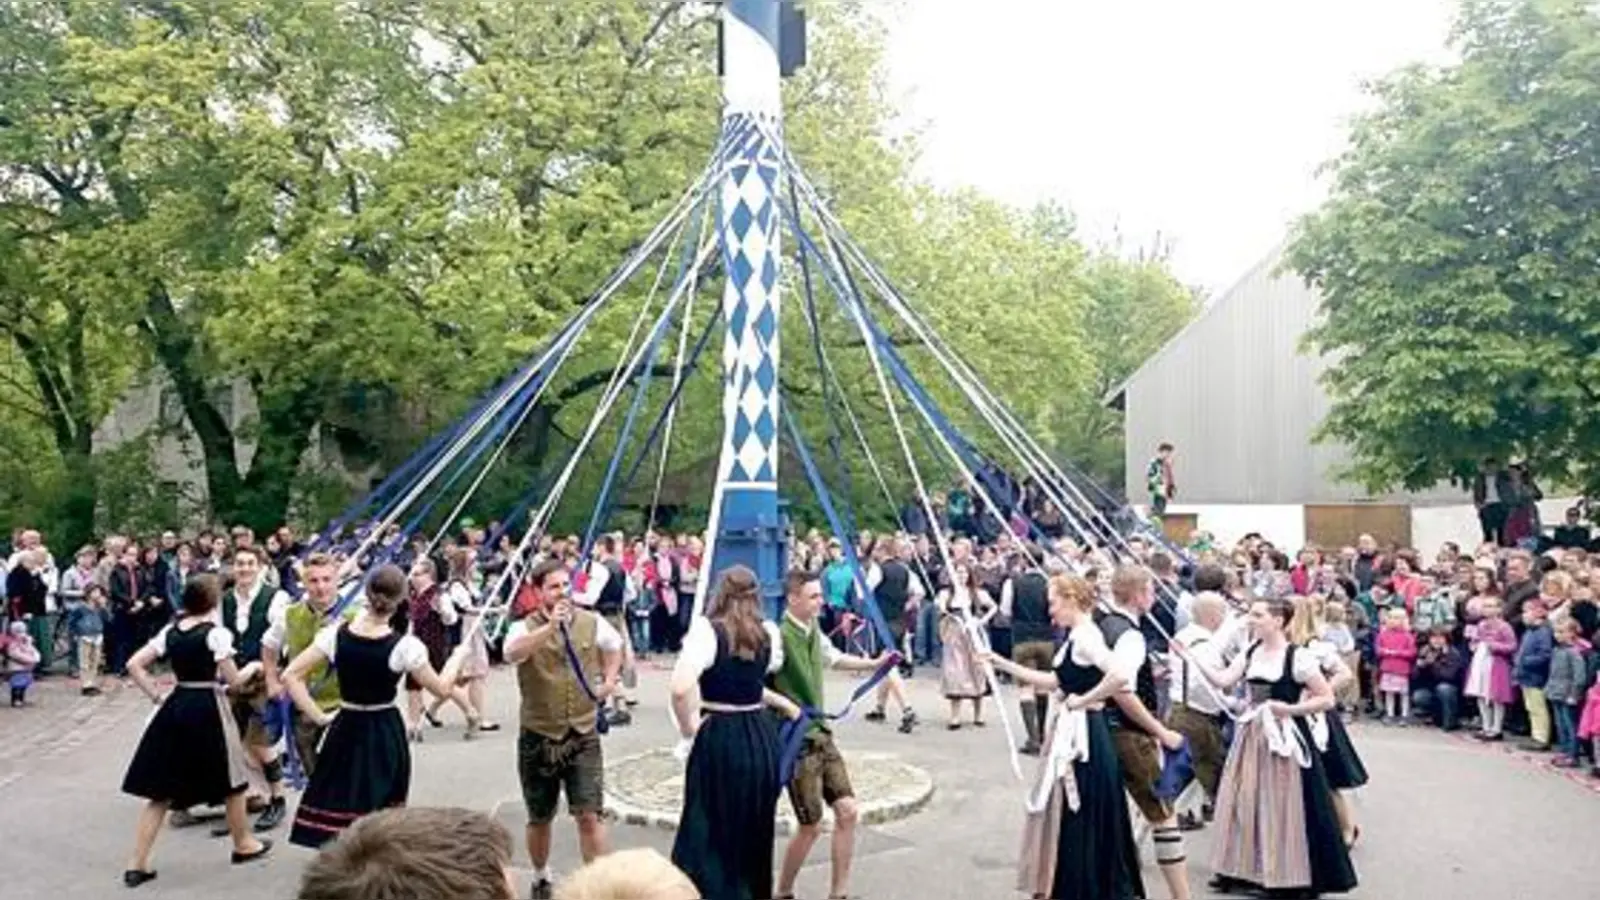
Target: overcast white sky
(1201,120)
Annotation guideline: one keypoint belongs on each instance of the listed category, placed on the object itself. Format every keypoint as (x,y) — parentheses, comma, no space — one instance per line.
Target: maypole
(746,526)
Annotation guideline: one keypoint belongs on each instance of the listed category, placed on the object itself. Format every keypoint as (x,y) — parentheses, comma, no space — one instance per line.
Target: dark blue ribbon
(1177,770)
(792,733)
(601,723)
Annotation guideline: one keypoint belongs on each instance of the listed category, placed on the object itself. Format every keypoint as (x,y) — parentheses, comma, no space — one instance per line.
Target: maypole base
(646,790)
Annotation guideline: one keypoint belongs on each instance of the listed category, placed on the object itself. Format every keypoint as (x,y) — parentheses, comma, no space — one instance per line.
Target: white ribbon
(1068,743)
(1283,739)
(980,646)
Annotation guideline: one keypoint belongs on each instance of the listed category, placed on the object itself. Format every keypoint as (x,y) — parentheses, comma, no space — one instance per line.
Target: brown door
(1179,527)
(1336,525)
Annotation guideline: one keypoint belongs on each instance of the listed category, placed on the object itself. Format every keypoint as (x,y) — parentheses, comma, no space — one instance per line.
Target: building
(1239,400)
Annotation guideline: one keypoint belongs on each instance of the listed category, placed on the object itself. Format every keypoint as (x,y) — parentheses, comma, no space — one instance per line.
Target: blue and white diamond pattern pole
(746,526)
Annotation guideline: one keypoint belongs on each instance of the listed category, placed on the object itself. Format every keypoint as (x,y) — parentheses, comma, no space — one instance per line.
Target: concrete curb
(913,792)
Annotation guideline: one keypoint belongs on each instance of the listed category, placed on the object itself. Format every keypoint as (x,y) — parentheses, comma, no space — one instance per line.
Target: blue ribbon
(792,733)
(278,721)
(1177,770)
(601,724)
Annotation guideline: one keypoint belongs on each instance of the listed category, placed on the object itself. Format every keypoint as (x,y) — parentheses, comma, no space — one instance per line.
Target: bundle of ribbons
(792,734)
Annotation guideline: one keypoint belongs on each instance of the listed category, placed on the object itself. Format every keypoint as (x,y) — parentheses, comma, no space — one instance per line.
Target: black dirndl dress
(1343,764)
(730,791)
(1096,857)
(365,763)
(190,754)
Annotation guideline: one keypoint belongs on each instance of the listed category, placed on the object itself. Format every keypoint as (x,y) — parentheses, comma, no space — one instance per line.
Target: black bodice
(1073,678)
(733,681)
(365,678)
(189,654)
(1283,689)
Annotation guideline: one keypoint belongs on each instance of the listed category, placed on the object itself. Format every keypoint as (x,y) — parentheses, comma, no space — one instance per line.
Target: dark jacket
(1532,665)
(1446,666)
(25,592)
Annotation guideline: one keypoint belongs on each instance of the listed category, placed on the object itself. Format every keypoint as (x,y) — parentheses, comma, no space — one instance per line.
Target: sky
(1202,122)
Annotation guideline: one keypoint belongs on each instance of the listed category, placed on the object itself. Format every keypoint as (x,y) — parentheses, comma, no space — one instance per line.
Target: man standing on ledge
(1158,478)
(819,776)
(567,661)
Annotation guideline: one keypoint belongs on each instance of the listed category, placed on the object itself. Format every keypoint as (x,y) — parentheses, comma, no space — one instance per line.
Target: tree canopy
(1457,254)
(367,213)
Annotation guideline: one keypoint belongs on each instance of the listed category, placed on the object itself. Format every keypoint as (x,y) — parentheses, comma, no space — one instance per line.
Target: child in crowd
(1337,633)
(20,658)
(1564,690)
(1531,670)
(1589,723)
(1493,644)
(1397,653)
(87,623)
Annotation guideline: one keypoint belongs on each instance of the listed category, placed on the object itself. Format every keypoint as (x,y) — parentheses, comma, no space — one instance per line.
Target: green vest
(247,646)
(800,677)
(300,625)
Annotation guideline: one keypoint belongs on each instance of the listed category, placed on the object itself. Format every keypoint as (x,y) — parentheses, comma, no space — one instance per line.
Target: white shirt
(1268,666)
(408,654)
(276,607)
(218,640)
(599,577)
(700,648)
(1205,646)
(1129,654)
(278,625)
(1088,644)
(607,638)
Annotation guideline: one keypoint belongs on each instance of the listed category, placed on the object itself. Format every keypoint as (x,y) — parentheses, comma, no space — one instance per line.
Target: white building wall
(1238,399)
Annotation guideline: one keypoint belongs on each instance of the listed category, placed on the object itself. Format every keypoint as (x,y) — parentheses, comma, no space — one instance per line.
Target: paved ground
(1444,816)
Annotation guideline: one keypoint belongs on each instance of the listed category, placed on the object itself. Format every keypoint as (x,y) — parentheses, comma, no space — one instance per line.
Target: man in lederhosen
(1138,734)
(1025,600)
(1197,711)
(290,635)
(247,611)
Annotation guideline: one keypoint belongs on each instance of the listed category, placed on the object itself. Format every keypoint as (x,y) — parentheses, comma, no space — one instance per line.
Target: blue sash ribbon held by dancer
(279,722)
(1177,770)
(602,725)
(792,733)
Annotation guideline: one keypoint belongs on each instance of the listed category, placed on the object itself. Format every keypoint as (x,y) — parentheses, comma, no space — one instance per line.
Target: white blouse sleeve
(1307,663)
(699,649)
(1089,647)
(775,641)
(220,642)
(606,637)
(159,642)
(326,640)
(407,656)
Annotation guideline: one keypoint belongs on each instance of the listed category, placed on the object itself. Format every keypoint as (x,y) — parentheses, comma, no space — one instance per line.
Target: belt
(199,685)
(729,707)
(365,707)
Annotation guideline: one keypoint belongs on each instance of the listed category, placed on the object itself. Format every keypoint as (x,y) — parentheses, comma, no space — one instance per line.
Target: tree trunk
(63,392)
(282,436)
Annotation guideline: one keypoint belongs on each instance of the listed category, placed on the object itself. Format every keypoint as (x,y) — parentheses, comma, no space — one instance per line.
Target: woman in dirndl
(730,790)
(1077,840)
(469,666)
(1345,770)
(364,764)
(190,753)
(1277,830)
(965,610)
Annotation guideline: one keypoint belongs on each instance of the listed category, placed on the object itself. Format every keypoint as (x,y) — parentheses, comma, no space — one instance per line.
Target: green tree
(1455,256)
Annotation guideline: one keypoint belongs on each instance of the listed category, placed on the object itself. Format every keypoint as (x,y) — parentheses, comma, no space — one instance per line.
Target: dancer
(1197,710)
(820,776)
(190,752)
(1137,733)
(288,637)
(959,676)
(730,790)
(606,592)
(470,664)
(1078,841)
(567,662)
(1277,828)
(247,611)
(1339,758)
(1025,600)
(898,592)
(430,613)
(365,763)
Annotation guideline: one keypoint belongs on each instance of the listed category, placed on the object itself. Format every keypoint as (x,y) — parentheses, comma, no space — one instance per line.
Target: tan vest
(553,703)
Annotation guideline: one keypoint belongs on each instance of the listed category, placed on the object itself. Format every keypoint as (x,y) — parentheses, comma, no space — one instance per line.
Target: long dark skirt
(730,796)
(190,753)
(1331,869)
(364,766)
(1093,855)
(1345,770)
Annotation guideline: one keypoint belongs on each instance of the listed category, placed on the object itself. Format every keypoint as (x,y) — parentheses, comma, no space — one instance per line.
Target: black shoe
(1029,748)
(621,717)
(1534,747)
(135,877)
(876,715)
(242,858)
(273,815)
(1222,884)
(1190,822)
(542,889)
(908,722)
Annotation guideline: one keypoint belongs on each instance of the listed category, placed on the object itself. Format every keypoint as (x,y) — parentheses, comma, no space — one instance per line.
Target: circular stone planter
(646,789)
